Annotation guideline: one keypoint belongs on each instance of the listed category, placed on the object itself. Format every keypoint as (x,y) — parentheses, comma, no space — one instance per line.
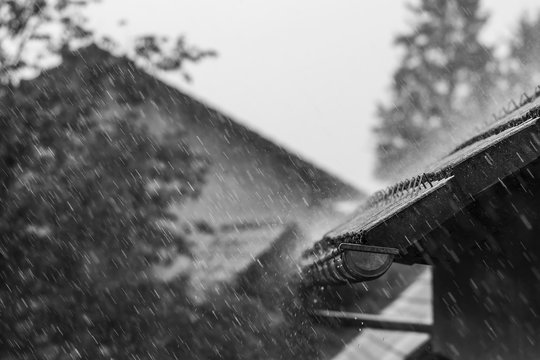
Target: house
(474,218)
(254,188)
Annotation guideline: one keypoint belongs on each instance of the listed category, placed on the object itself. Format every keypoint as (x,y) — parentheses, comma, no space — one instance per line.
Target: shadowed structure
(253,188)
(474,216)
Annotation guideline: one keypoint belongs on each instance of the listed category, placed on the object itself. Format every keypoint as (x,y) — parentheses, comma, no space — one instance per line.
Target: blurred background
(165,163)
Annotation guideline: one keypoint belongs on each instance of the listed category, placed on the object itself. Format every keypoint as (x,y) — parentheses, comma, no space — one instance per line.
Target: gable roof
(196,116)
(253,188)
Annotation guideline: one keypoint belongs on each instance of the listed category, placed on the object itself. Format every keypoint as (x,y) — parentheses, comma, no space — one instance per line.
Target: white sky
(304,73)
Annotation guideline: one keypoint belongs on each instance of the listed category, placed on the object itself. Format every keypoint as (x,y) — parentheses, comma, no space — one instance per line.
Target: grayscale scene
(249,179)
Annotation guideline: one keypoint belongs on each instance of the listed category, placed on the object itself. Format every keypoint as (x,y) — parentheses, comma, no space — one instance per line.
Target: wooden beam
(350,319)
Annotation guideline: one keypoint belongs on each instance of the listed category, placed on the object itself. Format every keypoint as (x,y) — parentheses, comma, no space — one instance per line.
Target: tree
(84,199)
(445,73)
(33,32)
(84,196)
(522,72)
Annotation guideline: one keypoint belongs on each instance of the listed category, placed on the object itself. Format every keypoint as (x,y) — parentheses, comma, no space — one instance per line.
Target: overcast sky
(305,73)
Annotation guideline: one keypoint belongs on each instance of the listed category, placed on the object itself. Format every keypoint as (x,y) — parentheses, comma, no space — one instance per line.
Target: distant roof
(170,98)
(253,187)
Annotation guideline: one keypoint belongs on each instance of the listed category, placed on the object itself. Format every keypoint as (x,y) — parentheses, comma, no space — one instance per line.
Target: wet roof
(403,213)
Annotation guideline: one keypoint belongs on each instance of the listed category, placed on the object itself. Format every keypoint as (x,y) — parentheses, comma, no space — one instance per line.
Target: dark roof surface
(160,103)
(402,214)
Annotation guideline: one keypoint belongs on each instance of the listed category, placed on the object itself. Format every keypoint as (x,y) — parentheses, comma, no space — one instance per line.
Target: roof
(404,215)
(398,217)
(253,188)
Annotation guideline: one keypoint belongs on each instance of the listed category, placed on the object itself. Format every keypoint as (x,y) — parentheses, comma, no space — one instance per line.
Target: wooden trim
(350,319)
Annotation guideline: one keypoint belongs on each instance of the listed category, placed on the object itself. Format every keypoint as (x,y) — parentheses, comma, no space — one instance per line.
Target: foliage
(444,74)
(522,72)
(32,32)
(87,192)
(84,196)
(236,325)
(84,193)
